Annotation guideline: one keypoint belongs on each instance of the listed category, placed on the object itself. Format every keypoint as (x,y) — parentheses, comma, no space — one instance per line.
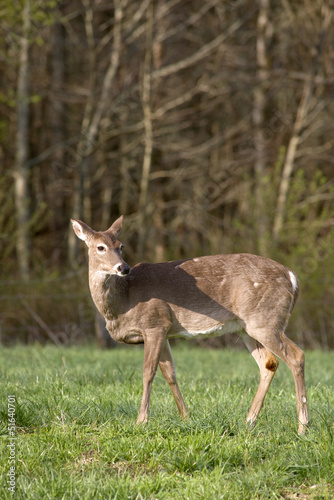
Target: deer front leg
(153,347)
(167,367)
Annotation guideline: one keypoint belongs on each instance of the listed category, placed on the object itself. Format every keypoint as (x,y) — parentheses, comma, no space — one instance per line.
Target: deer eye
(101,248)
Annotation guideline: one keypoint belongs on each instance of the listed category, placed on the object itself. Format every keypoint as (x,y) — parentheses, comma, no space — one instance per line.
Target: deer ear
(116,227)
(82,230)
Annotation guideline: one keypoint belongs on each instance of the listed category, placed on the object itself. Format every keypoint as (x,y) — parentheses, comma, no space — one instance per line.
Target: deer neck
(108,292)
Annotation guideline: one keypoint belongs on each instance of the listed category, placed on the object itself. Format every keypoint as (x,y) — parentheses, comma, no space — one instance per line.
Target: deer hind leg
(294,357)
(268,365)
(167,367)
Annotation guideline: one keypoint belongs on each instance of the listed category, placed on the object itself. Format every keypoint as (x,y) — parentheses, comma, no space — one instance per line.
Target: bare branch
(200,54)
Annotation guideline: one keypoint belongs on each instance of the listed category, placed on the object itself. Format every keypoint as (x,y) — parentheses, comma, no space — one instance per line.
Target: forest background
(209,125)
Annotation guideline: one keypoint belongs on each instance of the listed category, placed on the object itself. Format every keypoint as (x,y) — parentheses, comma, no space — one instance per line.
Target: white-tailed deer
(202,297)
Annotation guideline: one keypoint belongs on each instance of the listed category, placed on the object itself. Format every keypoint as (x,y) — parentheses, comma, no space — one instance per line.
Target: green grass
(76,435)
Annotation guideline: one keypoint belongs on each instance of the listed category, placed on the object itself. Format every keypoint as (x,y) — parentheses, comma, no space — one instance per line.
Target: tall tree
(307,103)
(263,33)
(148,132)
(21,173)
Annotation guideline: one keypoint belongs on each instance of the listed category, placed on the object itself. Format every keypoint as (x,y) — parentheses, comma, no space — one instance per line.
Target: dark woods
(209,125)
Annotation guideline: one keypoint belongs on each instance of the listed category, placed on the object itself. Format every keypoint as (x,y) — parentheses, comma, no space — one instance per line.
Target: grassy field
(76,438)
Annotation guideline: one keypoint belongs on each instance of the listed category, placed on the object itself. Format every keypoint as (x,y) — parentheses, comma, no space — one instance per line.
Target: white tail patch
(293,281)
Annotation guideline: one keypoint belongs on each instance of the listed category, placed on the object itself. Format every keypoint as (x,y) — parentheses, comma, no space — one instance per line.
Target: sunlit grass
(76,435)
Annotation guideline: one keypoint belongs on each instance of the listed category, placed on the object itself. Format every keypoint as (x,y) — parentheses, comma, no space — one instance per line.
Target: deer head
(104,249)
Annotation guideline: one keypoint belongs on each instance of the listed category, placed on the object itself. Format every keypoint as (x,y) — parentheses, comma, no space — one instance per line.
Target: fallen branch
(41,323)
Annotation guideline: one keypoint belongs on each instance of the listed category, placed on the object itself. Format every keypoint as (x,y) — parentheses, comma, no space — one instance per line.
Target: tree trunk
(124,169)
(259,122)
(290,158)
(57,120)
(148,135)
(21,175)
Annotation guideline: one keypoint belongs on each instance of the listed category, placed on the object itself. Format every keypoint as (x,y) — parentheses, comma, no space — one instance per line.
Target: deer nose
(123,269)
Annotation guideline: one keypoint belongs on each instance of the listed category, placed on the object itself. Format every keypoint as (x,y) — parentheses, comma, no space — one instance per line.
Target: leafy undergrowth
(76,438)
